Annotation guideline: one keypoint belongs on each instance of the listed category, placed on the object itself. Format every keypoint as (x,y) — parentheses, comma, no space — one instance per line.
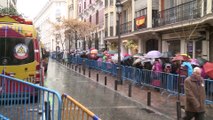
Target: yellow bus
(19,49)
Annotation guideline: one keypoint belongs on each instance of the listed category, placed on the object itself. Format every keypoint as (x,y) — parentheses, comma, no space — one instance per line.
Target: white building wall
(140,4)
(48,14)
(3,3)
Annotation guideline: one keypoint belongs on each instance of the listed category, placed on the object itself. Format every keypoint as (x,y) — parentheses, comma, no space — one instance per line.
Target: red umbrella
(208,68)
(181,58)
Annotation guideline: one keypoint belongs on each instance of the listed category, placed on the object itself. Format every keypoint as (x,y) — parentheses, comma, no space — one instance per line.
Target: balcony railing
(186,11)
(126,27)
(140,14)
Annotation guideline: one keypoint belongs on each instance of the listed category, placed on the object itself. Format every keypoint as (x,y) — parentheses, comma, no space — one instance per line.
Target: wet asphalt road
(104,102)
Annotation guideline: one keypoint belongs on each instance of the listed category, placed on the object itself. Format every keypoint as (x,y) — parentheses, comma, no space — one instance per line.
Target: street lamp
(118,11)
(76,41)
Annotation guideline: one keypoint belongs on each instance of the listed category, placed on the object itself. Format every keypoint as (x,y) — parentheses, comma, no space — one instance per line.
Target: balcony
(140,21)
(187,11)
(126,27)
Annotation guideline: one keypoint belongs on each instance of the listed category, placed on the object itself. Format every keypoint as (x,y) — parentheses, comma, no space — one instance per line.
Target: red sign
(140,21)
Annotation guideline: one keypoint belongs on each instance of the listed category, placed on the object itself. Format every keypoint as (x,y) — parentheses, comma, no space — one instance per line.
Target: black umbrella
(127,61)
(201,61)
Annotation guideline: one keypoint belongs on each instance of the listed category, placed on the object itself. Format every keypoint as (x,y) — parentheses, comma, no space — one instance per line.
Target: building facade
(53,12)
(72,7)
(177,26)
(136,15)
(8,3)
(92,11)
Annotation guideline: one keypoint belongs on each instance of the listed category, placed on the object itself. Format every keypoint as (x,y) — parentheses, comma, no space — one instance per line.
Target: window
(90,18)
(111,23)
(141,12)
(198,49)
(97,17)
(106,20)
(125,16)
(85,5)
(111,2)
(80,9)
(174,46)
(111,19)
(106,3)
(106,25)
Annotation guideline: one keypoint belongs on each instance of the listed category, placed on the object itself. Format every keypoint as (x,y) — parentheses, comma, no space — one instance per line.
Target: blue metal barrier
(209,91)
(128,73)
(20,100)
(165,81)
(3,118)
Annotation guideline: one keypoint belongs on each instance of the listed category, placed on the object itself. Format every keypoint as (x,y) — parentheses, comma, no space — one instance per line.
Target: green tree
(9,11)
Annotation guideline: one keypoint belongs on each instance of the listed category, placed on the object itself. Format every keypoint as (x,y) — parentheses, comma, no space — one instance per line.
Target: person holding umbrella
(195,96)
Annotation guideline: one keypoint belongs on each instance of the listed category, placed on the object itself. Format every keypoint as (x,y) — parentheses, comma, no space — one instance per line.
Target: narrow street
(105,103)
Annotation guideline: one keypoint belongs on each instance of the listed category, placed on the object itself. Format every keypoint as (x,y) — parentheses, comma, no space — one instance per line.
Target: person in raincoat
(157,67)
(189,68)
(156,74)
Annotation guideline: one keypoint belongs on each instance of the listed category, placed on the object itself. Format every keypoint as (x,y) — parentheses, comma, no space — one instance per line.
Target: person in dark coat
(195,96)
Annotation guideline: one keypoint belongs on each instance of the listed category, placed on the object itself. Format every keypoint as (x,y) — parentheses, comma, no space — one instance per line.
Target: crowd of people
(157,63)
(195,70)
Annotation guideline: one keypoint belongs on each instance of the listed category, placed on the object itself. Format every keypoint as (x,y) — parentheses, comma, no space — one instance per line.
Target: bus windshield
(16,51)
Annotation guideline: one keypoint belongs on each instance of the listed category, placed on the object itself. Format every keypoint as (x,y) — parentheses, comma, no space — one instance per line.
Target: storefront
(196,46)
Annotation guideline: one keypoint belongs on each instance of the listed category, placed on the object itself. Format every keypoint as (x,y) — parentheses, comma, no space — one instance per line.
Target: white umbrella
(115,58)
(137,61)
(153,54)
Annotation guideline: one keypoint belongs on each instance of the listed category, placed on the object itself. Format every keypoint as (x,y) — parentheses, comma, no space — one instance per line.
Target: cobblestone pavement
(159,102)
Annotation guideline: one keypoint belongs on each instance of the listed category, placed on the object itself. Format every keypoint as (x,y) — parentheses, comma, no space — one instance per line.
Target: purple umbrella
(194,62)
(153,54)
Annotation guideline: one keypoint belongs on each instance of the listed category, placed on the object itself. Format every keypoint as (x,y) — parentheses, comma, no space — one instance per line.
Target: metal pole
(116,85)
(79,69)
(69,42)
(105,80)
(97,77)
(178,103)
(84,44)
(89,73)
(149,98)
(96,40)
(130,90)
(52,45)
(47,110)
(76,44)
(119,51)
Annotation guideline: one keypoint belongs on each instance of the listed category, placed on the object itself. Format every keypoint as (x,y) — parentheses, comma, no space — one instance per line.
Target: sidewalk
(159,102)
